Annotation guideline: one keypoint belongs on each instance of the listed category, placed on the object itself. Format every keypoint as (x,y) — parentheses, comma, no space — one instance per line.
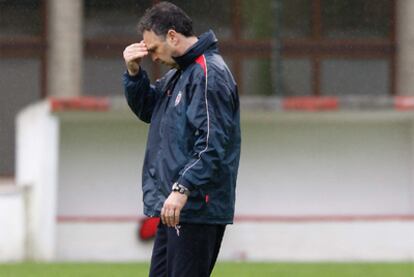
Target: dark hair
(165,16)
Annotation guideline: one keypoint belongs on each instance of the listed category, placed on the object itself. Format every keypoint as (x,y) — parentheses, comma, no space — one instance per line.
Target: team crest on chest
(178,98)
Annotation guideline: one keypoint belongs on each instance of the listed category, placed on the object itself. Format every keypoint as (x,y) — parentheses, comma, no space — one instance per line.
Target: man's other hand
(170,212)
(133,55)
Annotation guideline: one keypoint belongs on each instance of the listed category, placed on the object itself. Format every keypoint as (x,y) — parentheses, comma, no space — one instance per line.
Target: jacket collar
(205,41)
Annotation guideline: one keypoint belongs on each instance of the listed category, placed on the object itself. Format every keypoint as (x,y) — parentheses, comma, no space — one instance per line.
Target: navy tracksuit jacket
(194,135)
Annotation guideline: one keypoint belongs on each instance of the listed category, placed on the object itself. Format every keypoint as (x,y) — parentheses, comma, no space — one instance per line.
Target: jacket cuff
(135,78)
(185,183)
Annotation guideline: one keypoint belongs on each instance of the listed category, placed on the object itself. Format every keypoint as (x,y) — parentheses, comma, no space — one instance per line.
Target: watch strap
(181,189)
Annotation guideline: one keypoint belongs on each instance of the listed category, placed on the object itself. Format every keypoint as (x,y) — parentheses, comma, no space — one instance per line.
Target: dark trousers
(191,251)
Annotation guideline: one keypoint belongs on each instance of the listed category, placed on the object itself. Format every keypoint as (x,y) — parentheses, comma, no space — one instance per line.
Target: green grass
(221,270)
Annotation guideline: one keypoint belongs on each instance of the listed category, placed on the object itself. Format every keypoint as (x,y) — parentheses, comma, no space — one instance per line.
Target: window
(257,77)
(258,19)
(296,77)
(347,40)
(209,14)
(105,19)
(19,84)
(309,35)
(313,38)
(356,19)
(296,18)
(20,65)
(20,18)
(355,76)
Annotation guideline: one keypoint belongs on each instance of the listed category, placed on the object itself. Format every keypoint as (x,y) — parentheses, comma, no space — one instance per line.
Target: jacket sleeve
(211,114)
(140,94)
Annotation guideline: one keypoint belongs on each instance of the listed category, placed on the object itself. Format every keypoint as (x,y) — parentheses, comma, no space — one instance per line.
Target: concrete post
(405,47)
(37,163)
(65,47)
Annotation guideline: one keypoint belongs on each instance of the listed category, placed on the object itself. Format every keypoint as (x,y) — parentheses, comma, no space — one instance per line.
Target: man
(193,148)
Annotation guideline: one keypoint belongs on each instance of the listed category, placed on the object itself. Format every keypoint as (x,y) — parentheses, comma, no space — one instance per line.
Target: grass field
(221,270)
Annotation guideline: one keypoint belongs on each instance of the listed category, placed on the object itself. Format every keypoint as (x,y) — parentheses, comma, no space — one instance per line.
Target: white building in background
(335,184)
(331,185)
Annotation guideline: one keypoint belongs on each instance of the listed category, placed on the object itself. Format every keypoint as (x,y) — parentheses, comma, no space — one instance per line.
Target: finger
(136,55)
(135,47)
(138,44)
(177,217)
(163,216)
(136,51)
(170,218)
(134,58)
(133,51)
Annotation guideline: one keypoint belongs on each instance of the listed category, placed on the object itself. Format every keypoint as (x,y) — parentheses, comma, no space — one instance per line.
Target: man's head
(166,16)
(164,28)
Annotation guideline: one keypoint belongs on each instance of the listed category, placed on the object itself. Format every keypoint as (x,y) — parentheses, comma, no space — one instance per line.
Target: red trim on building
(404,103)
(322,218)
(309,103)
(251,218)
(97,218)
(79,104)
(302,103)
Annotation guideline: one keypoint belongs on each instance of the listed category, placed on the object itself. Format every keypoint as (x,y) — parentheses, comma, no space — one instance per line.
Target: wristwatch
(180,188)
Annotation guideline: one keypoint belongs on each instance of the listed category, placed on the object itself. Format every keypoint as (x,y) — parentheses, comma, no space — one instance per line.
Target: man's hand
(133,55)
(170,212)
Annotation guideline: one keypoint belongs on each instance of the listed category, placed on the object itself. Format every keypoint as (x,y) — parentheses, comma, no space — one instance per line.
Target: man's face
(159,48)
